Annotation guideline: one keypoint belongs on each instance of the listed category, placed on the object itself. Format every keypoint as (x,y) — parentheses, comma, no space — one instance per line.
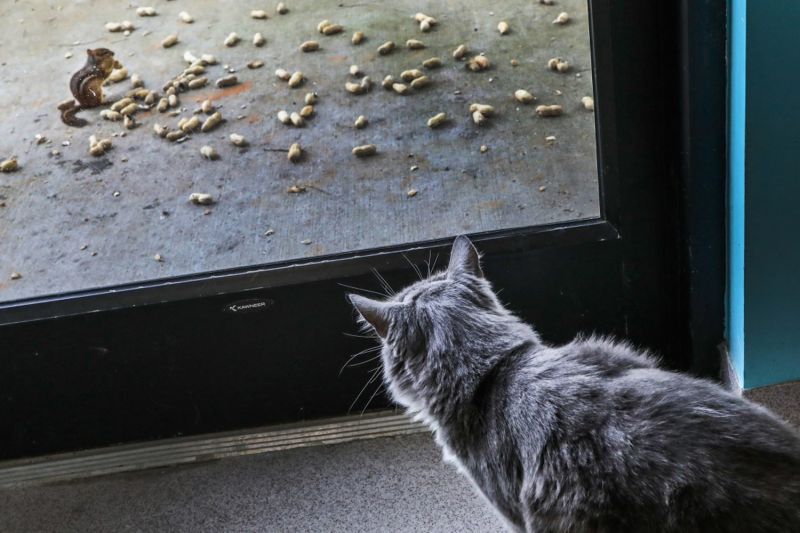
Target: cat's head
(437,329)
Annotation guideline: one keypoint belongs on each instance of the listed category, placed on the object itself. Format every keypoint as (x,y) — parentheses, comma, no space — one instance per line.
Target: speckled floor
(70,221)
(381,485)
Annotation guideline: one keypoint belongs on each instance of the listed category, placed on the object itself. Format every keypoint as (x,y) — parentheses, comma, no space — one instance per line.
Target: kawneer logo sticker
(247,306)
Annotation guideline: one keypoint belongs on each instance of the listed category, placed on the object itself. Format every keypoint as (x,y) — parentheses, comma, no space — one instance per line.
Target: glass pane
(71,219)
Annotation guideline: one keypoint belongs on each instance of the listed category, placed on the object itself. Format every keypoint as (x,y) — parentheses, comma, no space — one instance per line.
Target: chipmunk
(87,85)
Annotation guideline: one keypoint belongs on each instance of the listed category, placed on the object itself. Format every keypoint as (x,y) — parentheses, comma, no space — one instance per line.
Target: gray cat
(590,436)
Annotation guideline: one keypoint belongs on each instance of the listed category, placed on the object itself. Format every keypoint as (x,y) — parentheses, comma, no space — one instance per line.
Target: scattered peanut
(484,109)
(310,98)
(460,52)
(400,88)
(211,122)
(118,75)
(296,79)
(437,120)
(160,130)
(307,111)
(433,62)
(353,88)
(295,153)
(227,81)
(146,11)
(163,105)
(255,64)
(200,198)
(185,17)
(283,74)
(332,29)
(129,109)
(558,64)
(16,275)
(119,104)
(411,193)
(297,120)
(297,189)
(258,39)
(354,70)
(128,122)
(414,44)
(321,26)
(175,135)
(561,19)
(503,27)
(237,140)
(523,96)
(547,2)
(387,82)
(108,114)
(478,118)
(281,8)
(425,22)
(412,74)
(231,40)
(209,153)
(136,81)
(386,48)
(9,165)
(419,83)
(172,100)
(283,116)
(309,46)
(549,110)
(208,59)
(588,103)
(169,40)
(191,125)
(259,14)
(198,82)
(358,37)
(365,150)
(361,122)
(478,63)
(207,107)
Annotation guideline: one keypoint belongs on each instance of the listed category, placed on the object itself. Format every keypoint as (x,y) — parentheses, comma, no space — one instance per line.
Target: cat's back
(674,452)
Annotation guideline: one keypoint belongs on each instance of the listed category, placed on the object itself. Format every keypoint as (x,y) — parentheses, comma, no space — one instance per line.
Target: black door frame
(142,361)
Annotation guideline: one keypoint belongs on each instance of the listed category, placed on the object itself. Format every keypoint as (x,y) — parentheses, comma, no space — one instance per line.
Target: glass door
(179,264)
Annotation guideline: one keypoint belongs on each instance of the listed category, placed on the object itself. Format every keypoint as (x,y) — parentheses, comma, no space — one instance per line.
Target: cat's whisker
(435,258)
(372,336)
(367,384)
(378,389)
(364,362)
(362,352)
(360,289)
(415,267)
(385,284)
(428,263)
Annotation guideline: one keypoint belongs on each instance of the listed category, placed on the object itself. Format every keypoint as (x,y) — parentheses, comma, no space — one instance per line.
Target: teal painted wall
(764,291)
(737,57)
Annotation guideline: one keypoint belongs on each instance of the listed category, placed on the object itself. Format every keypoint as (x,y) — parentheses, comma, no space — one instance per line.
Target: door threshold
(186,450)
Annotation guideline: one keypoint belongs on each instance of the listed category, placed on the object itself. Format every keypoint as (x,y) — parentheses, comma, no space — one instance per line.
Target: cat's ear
(374,312)
(464,257)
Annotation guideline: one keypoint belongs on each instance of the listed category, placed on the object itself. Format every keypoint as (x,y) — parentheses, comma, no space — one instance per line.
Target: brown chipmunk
(87,85)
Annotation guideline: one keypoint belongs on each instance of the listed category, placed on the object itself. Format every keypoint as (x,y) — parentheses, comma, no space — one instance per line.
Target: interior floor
(391,484)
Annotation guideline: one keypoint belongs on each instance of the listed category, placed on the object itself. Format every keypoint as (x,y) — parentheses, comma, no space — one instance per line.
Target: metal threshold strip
(183,450)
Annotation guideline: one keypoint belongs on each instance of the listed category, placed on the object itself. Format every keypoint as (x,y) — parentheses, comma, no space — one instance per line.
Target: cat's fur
(591,436)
